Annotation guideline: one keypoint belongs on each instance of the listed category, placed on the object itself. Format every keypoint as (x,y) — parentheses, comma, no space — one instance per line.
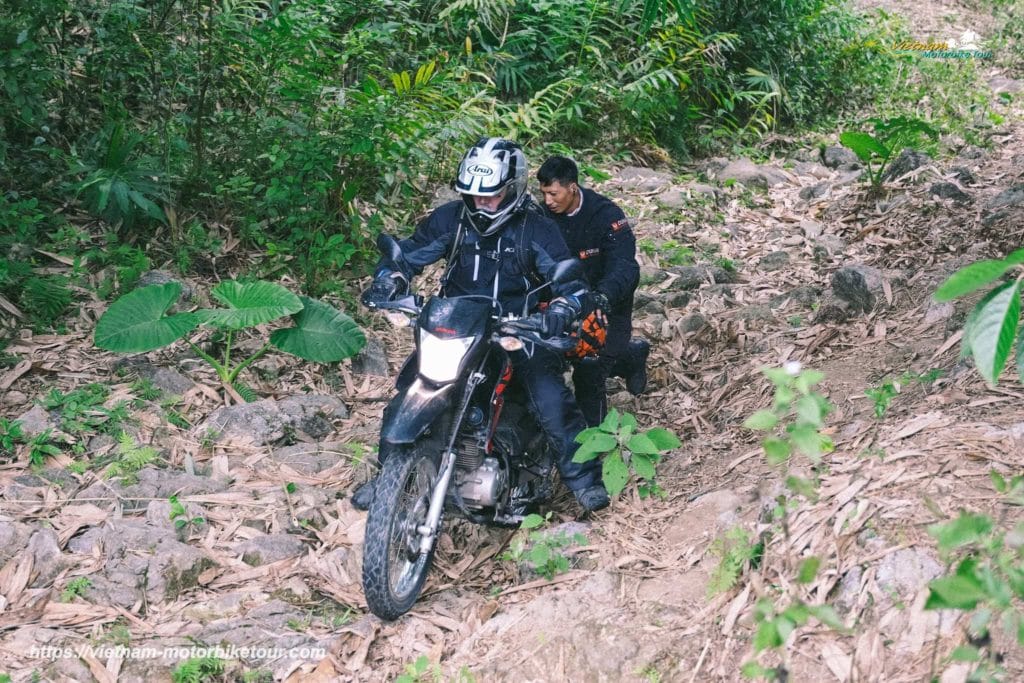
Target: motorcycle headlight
(440,358)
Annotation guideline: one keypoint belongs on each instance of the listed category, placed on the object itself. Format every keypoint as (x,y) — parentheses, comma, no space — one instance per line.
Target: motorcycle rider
(497,243)
(598,232)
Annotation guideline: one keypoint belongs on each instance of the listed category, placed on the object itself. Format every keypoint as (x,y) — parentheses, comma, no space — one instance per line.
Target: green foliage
(40,448)
(75,588)
(117,187)
(184,524)
(627,452)
(83,410)
(882,395)
(992,326)
(198,670)
(796,417)
(890,137)
(131,457)
(774,626)
(11,435)
(985,577)
(734,550)
(536,545)
(138,322)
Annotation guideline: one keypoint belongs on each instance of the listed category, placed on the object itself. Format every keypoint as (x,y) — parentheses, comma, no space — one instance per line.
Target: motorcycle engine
(483,486)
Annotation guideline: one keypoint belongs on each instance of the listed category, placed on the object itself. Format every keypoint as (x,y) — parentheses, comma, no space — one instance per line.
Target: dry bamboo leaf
(837,661)
(735,608)
(99,672)
(14,373)
(14,577)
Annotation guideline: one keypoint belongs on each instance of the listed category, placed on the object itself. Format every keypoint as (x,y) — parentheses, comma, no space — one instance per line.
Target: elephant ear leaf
(322,334)
(136,322)
(249,304)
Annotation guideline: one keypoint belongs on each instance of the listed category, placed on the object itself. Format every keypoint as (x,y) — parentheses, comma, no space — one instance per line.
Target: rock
(47,561)
(692,277)
(307,458)
(972,152)
(938,311)
(269,367)
(750,174)
(907,161)
(226,605)
(691,323)
(857,286)
(963,175)
(173,569)
(832,310)
(372,359)
(168,380)
(643,179)
(162,277)
(268,625)
(158,515)
(701,188)
(443,195)
(1001,84)
(677,300)
(154,483)
(996,218)
(811,228)
(816,191)
(654,306)
(847,177)
(672,198)
(36,421)
(805,295)
(793,241)
(714,165)
(650,275)
(755,313)
(907,571)
(122,583)
(266,549)
(267,421)
(849,590)
(832,244)
(812,169)
(948,190)
(15,398)
(776,260)
(1011,196)
(681,197)
(835,156)
(13,538)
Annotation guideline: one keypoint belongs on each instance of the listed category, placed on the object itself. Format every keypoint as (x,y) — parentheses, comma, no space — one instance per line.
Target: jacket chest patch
(619,225)
(587,253)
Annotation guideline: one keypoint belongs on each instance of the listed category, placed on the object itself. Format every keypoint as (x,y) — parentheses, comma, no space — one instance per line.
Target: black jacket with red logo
(602,238)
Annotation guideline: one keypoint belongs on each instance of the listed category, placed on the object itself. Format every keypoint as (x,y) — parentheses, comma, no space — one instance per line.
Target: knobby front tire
(394,567)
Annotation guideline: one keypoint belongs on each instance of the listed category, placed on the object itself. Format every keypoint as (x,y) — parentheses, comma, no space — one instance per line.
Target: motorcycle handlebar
(531,328)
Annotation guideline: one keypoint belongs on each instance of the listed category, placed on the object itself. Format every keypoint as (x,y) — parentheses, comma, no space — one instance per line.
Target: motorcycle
(457,438)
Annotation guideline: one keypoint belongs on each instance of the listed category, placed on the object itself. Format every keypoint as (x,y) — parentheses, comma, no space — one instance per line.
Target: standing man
(599,234)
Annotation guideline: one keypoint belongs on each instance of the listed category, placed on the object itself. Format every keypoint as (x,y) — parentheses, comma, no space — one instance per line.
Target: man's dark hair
(558,169)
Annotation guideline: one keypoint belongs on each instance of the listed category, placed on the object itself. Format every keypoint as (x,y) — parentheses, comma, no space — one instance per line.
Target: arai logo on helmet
(480,170)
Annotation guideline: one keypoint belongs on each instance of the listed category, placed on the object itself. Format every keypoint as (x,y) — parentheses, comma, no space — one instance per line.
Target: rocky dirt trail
(745,265)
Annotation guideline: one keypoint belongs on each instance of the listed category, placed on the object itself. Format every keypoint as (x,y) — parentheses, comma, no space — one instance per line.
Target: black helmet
(488,167)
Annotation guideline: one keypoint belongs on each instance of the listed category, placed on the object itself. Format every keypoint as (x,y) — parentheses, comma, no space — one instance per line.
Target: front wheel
(394,565)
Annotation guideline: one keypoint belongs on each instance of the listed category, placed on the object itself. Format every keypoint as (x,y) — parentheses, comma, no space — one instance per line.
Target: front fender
(412,412)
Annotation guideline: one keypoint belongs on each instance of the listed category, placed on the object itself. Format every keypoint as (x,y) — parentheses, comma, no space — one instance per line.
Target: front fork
(429,529)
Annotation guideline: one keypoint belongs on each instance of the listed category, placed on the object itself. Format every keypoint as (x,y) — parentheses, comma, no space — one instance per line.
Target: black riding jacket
(601,236)
(504,266)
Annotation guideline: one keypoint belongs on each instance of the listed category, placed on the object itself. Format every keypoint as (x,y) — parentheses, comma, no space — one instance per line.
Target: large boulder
(643,179)
(907,161)
(750,174)
(835,156)
(268,421)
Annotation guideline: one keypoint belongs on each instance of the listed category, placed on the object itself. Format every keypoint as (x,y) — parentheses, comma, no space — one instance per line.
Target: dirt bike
(457,438)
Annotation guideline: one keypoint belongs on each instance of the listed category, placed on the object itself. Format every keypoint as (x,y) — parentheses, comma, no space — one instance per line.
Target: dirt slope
(636,605)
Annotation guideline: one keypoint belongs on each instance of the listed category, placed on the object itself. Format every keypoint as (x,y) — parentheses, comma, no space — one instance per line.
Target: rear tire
(394,566)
